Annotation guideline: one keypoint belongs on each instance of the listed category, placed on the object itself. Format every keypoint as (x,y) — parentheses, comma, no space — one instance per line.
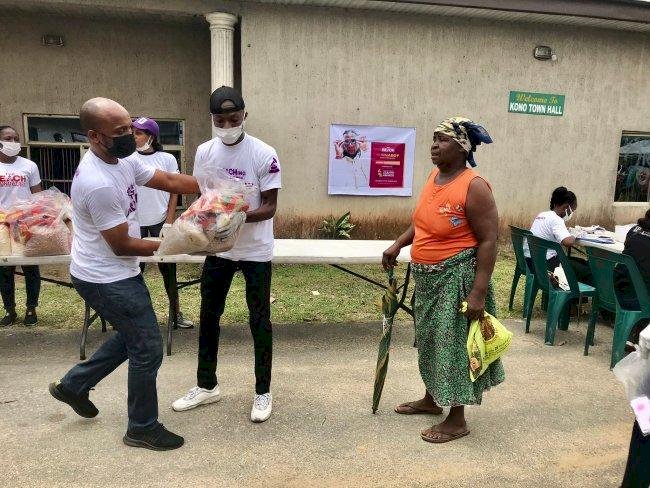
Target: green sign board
(536,103)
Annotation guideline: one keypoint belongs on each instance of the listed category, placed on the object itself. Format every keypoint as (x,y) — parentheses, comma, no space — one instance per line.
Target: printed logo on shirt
(12,179)
(237,173)
(445,209)
(455,221)
(274,168)
(133,199)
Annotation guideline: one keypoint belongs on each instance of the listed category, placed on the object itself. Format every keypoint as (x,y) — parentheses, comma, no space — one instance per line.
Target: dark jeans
(126,304)
(215,283)
(637,471)
(154,231)
(8,286)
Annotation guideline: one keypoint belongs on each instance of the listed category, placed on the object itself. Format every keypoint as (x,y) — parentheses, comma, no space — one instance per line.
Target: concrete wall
(304,68)
(159,69)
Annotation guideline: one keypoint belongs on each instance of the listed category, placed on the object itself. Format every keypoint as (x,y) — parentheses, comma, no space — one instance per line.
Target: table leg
(172,320)
(84,332)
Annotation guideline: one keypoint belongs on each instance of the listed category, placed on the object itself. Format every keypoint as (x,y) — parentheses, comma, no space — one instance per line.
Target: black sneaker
(30,317)
(8,319)
(183,323)
(156,439)
(79,403)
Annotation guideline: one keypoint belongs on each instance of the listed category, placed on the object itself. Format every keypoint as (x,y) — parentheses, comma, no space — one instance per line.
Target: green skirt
(441,331)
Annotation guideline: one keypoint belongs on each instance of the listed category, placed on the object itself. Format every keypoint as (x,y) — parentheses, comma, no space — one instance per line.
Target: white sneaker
(262,406)
(195,397)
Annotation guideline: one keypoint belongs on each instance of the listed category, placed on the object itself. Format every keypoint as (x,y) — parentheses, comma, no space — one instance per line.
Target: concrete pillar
(222,26)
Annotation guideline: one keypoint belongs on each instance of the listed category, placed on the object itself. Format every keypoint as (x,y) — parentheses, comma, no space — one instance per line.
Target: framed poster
(369,160)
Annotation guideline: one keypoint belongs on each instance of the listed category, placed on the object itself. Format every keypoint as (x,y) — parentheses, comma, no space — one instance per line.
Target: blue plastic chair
(558,300)
(602,264)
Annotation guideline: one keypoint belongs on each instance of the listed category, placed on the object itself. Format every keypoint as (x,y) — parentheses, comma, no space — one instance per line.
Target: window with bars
(56,143)
(633,172)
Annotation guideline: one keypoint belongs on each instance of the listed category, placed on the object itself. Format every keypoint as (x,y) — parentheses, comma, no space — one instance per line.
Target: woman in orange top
(454,242)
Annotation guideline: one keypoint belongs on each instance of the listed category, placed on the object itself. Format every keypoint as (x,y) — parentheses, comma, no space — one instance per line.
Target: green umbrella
(389,307)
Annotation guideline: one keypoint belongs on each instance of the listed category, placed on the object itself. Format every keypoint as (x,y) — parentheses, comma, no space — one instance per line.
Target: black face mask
(122,147)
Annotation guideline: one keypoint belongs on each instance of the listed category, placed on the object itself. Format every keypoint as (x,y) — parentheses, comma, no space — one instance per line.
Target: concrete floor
(559,420)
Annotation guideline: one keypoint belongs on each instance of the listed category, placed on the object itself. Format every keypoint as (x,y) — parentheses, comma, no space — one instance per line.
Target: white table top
(286,251)
(616,247)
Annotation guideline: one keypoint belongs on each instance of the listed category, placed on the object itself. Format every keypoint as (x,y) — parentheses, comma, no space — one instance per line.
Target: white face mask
(568,214)
(10,148)
(230,136)
(145,147)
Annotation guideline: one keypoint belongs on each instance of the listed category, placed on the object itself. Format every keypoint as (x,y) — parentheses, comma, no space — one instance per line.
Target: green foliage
(333,228)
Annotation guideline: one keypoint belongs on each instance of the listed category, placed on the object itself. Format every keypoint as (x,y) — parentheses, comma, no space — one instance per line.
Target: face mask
(122,147)
(568,215)
(10,148)
(229,136)
(145,147)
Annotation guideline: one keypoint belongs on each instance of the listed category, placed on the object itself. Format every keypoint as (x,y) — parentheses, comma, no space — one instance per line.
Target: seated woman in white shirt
(551,225)
(156,209)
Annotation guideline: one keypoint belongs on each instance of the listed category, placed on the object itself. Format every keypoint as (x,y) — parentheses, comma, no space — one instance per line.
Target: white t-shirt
(105,196)
(16,180)
(257,164)
(152,204)
(550,226)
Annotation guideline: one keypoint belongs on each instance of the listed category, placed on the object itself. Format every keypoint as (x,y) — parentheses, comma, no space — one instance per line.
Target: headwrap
(466,133)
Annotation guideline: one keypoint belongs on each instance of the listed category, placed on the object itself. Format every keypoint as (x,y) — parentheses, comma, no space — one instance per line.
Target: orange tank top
(441,226)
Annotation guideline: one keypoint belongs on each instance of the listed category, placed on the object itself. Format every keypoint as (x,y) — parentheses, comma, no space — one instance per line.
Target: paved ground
(560,420)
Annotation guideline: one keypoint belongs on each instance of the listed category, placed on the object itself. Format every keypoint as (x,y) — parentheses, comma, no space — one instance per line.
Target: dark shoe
(30,317)
(9,319)
(183,323)
(79,403)
(156,439)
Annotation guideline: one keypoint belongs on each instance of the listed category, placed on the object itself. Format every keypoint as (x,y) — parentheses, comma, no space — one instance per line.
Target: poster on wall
(368,160)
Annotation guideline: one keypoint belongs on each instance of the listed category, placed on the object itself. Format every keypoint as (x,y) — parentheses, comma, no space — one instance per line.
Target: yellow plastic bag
(487,341)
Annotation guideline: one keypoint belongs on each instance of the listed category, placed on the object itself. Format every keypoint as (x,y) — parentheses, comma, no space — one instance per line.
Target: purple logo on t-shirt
(274,168)
(133,199)
(237,173)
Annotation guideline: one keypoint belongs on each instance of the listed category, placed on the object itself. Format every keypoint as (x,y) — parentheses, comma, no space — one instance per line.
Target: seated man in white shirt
(104,270)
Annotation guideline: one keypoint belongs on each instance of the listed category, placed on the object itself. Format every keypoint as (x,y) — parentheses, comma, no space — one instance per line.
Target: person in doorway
(104,271)
(454,243)
(19,178)
(156,209)
(240,154)
(551,225)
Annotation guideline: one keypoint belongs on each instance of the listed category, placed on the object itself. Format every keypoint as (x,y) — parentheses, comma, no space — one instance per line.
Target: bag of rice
(5,239)
(212,223)
(37,226)
(487,341)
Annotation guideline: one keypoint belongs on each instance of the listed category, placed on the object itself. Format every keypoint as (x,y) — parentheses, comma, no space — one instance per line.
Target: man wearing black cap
(256,163)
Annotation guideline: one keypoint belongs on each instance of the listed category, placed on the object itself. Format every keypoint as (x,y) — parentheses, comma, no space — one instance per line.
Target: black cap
(224,94)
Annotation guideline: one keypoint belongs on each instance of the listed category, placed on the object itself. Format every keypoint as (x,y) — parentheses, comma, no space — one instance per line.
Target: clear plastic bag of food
(213,222)
(37,227)
(5,238)
(634,372)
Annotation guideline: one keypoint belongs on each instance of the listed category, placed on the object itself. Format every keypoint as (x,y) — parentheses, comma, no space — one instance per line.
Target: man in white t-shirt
(245,157)
(19,178)
(104,270)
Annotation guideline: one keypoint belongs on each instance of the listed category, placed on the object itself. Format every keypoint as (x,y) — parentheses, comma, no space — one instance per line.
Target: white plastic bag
(213,222)
(5,240)
(634,372)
